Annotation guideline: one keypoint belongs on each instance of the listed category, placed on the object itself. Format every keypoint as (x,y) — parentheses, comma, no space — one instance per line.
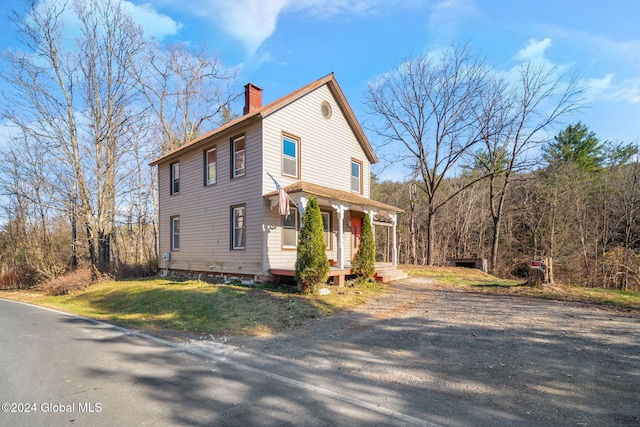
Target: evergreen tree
(312,265)
(363,265)
(576,145)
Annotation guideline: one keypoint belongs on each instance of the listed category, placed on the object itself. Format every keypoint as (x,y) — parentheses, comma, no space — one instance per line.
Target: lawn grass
(458,276)
(474,280)
(199,307)
(196,307)
(628,299)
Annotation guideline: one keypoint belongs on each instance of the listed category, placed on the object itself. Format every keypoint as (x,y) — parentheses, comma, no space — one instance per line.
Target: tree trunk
(549,272)
(430,236)
(495,238)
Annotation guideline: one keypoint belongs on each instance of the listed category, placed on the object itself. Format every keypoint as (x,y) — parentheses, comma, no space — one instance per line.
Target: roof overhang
(260,113)
(329,196)
(227,130)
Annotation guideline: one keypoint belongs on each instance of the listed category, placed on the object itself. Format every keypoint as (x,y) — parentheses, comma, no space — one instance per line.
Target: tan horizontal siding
(326,149)
(326,145)
(286,258)
(205,211)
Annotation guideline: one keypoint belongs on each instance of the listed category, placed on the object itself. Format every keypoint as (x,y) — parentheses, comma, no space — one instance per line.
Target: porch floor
(385,272)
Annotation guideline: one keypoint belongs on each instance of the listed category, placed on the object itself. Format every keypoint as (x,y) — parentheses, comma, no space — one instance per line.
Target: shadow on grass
(499,285)
(213,309)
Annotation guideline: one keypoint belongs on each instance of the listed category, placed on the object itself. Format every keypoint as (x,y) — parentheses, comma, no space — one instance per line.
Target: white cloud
(250,21)
(597,86)
(448,14)
(534,50)
(253,21)
(627,91)
(154,23)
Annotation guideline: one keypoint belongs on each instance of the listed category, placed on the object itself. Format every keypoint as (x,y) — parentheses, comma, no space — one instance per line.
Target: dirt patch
(547,362)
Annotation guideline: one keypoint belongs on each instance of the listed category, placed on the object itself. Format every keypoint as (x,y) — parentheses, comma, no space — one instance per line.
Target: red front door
(356,230)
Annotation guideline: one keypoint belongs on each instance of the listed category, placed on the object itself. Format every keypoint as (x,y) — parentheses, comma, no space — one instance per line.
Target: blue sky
(281,45)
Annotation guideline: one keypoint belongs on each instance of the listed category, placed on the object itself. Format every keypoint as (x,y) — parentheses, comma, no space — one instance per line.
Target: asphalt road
(57,369)
(419,355)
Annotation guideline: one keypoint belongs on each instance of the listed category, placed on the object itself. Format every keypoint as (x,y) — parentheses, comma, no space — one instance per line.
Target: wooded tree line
(90,100)
(580,206)
(490,179)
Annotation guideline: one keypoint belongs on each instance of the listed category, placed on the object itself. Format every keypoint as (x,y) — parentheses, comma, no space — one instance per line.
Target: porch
(345,212)
(385,272)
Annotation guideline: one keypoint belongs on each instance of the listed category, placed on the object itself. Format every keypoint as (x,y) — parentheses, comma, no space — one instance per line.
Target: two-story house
(218,203)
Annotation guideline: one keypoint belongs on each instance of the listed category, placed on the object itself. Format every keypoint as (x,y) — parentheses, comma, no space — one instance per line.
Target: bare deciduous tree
(186,90)
(428,106)
(92,103)
(513,119)
(75,104)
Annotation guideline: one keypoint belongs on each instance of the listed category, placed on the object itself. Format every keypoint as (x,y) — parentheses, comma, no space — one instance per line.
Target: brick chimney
(252,98)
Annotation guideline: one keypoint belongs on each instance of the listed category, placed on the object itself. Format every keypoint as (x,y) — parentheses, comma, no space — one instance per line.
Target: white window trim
(175,219)
(293,212)
(327,233)
(295,159)
(234,229)
(360,167)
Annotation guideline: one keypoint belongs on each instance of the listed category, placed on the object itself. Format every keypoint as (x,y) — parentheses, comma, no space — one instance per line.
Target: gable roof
(274,106)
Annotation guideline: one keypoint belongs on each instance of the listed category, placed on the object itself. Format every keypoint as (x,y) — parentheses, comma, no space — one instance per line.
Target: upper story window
(210,166)
(238,157)
(356,176)
(175,233)
(175,178)
(290,155)
(238,227)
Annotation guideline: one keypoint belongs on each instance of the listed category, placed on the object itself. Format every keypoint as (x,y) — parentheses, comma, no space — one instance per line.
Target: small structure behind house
(479,263)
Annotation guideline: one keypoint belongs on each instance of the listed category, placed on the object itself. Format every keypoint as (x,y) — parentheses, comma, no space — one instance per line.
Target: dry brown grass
(12,280)
(68,283)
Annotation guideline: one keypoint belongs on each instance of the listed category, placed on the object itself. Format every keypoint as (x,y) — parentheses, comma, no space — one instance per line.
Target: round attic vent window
(325,108)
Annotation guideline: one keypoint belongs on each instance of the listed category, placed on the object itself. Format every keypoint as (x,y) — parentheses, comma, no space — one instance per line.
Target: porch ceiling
(332,195)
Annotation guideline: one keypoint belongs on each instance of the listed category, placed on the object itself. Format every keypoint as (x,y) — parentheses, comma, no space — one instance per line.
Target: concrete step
(388,274)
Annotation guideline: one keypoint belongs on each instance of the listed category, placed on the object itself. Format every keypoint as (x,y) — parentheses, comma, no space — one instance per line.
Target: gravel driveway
(546,362)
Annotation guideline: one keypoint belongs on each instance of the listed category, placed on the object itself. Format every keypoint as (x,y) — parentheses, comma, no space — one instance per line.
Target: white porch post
(371,214)
(394,219)
(340,210)
(302,205)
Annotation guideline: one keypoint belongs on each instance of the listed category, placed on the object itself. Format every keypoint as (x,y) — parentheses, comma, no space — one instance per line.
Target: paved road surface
(419,355)
(57,369)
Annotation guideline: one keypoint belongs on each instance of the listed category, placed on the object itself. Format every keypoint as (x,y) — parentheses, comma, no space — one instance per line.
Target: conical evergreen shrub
(364,263)
(312,265)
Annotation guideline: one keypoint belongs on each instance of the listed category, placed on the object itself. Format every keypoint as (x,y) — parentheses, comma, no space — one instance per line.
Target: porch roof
(333,195)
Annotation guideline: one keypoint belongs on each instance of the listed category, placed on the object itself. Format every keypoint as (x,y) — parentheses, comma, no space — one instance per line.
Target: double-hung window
(210,170)
(290,155)
(290,230)
(326,225)
(175,233)
(291,227)
(238,227)
(238,158)
(356,176)
(175,178)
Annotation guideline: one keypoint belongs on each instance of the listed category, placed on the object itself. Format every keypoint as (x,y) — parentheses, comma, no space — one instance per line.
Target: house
(219,206)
